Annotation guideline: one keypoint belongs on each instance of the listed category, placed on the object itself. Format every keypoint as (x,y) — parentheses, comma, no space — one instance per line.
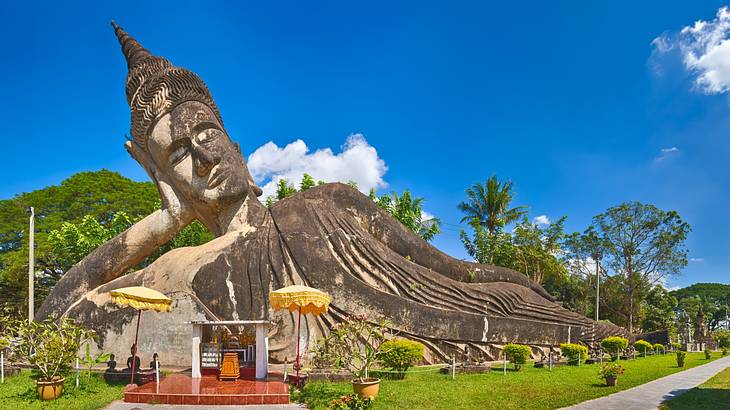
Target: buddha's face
(190,145)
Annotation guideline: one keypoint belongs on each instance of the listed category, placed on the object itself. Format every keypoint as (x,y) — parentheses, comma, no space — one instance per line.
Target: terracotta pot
(611,381)
(368,388)
(50,390)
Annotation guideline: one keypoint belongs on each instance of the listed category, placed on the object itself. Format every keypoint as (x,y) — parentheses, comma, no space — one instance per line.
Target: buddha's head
(178,134)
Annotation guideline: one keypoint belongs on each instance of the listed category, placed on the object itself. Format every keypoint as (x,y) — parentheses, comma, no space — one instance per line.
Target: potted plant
(610,372)
(355,346)
(50,346)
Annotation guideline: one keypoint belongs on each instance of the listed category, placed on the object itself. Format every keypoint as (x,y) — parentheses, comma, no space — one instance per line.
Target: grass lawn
(530,388)
(711,395)
(93,393)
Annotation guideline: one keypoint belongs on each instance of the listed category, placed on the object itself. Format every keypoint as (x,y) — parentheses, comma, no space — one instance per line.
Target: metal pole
(2,366)
(77,372)
(157,372)
(31,263)
(598,286)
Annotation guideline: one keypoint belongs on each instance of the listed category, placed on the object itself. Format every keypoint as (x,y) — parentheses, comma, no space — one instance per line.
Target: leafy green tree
(644,245)
(284,189)
(489,204)
(536,249)
(583,254)
(494,249)
(307,182)
(658,311)
(409,211)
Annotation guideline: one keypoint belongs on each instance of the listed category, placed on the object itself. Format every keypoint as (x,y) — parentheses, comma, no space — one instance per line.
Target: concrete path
(120,405)
(650,395)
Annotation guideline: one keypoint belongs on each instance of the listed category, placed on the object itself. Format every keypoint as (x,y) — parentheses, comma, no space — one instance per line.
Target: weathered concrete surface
(331,237)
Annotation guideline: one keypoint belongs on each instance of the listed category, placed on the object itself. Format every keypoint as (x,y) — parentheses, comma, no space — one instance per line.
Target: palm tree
(488,204)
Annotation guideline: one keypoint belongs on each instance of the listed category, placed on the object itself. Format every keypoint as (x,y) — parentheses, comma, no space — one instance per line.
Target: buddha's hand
(172,201)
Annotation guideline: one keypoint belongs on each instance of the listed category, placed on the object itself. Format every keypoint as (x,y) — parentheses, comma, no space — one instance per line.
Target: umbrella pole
(134,347)
(299,329)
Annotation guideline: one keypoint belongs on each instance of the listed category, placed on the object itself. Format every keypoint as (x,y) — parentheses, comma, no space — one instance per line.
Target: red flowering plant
(354,345)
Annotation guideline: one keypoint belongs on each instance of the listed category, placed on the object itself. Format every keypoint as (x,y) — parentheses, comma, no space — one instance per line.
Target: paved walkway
(120,405)
(650,395)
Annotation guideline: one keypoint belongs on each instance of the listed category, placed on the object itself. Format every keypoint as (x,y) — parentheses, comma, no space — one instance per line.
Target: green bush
(517,354)
(642,346)
(708,354)
(573,351)
(614,345)
(676,346)
(658,348)
(680,358)
(722,337)
(724,351)
(351,402)
(400,354)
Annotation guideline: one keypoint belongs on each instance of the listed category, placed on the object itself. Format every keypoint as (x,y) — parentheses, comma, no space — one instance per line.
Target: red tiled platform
(182,389)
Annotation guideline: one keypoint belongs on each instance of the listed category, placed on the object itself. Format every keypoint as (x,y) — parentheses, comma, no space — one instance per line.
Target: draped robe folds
(336,239)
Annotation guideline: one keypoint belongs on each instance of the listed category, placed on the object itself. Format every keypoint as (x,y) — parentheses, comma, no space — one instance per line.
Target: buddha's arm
(113,259)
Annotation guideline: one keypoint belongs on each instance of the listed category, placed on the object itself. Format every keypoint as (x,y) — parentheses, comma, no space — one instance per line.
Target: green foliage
(644,244)
(351,402)
(50,346)
(658,348)
(574,352)
(722,337)
(90,361)
(517,354)
(610,370)
(708,354)
(400,354)
(680,358)
(614,345)
(307,182)
(284,189)
(658,310)
(409,211)
(676,346)
(724,351)
(354,345)
(642,346)
(489,205)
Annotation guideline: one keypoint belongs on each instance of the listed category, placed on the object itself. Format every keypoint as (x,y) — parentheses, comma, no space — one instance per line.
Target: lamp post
(598,286)
(31,263)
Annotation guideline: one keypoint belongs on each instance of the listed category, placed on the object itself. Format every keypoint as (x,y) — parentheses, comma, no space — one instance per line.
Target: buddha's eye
(207,137)
(178,154)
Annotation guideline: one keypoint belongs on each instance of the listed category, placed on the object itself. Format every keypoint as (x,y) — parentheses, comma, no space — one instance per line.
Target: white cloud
(665,153)
(697,260)
(357,161)
(705,51)
(541,220)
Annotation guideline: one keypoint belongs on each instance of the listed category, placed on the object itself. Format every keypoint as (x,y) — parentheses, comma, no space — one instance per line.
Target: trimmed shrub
(708,354)
(517,354)
(642,346)
(573,351)
(676,346)
(658,348)
(614,345)
(680,358)
(724,351)
(400,354)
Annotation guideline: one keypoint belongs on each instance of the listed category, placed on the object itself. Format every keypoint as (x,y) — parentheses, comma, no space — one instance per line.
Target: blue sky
(571,101)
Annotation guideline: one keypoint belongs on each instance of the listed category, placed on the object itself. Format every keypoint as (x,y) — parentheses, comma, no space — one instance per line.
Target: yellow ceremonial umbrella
(302,299)
(140,298)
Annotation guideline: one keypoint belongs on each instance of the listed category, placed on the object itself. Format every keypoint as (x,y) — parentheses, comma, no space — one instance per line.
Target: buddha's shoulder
(332,196)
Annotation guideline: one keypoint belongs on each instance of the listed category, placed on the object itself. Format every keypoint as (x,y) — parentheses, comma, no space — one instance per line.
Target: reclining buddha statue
(331,237)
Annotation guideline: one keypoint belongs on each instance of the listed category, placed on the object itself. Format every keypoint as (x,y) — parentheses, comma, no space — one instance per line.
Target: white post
(504,370)
(286,368)
(31,267)
(2,366)
(262,350)
(453,366)
(598,285)
(77,372)
(157,371)
(578,358)
(197,336)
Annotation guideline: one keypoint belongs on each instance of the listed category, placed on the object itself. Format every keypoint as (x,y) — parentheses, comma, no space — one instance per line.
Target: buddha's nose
(204,160)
